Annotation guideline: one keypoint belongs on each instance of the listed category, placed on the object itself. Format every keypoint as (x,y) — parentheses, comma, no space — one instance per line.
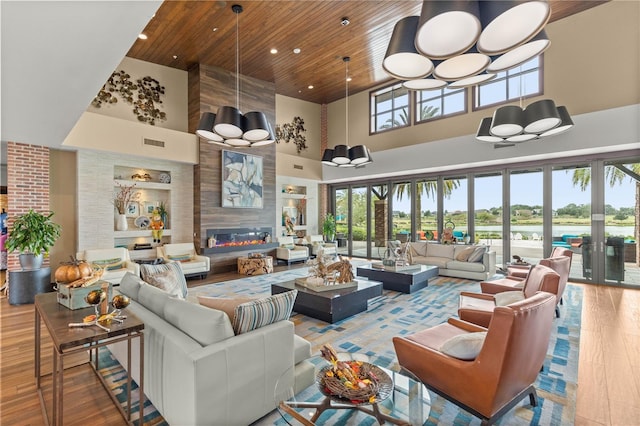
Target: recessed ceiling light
(296,50)
(214,29)
(142,36)
(349,78)
(274,51)
(310,86)
(175,56)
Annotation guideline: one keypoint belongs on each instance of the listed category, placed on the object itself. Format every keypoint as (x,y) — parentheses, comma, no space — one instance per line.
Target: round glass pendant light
(424,84)
(521,54)
(541,116)
(522,137)
(205,127)
(402,60)
(447,27)
(484,134)
(256,127)
(228,122)
(358,154)
(508,24)
(565,124)
(507,121)
(472,81)
(462,66)
(327,158)
(341,154)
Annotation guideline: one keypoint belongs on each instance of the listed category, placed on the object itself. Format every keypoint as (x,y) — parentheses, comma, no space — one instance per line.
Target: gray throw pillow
(477,254)
(166,276)
(464,346)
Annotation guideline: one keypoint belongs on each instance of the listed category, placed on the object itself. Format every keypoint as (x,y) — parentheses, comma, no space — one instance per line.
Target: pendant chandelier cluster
(343,155)
(514,124)
(461,43)
(229,127)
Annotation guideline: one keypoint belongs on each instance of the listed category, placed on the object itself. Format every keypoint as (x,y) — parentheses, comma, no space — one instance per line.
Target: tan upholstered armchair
(560,264)
(520,271)
(504,370)
(478,307)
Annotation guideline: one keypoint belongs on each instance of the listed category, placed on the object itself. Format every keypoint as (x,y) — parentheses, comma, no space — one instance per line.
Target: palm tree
(427,187)
(403,120)
(615,174)
(428,111)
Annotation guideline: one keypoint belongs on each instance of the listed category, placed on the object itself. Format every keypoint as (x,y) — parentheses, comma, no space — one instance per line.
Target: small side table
(68,340)
(255,265)
(24,285)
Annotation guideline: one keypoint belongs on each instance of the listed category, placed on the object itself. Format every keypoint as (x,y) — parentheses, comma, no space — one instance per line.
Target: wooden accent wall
(27,185)
(210,88)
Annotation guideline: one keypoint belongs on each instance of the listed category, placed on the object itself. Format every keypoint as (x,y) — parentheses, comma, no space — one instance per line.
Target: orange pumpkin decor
(72,271)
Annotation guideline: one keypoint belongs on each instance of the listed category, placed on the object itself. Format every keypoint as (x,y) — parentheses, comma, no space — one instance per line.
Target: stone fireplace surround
(239,239)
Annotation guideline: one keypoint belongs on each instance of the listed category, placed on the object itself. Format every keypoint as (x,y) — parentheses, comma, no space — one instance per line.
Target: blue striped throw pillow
(258,313)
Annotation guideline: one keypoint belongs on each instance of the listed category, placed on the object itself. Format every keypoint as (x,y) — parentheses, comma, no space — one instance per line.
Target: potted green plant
(329,227)
(32,234)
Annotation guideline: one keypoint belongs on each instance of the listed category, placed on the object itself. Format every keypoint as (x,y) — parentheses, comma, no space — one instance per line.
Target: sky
(523,191)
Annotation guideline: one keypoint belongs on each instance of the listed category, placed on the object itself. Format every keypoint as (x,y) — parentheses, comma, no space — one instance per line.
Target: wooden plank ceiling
(185,33)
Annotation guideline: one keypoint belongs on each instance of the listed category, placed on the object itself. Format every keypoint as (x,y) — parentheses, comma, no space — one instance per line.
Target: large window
(389,108)
(520,82)
(433,104)
(455,206)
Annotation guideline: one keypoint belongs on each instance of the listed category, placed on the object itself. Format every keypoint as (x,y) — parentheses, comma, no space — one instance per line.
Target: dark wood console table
(67,340)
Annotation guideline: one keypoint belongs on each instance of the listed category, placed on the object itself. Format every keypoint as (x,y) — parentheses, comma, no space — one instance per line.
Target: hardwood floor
(608,377)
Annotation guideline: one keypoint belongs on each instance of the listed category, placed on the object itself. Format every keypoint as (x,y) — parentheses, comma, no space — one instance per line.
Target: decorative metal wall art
(293,132)
(144,94)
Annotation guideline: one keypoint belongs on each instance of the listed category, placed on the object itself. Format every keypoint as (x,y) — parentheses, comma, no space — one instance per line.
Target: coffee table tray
(318,288)
(401,268)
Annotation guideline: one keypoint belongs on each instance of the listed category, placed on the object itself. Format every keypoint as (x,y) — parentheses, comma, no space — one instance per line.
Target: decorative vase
(121,222)
(30,261)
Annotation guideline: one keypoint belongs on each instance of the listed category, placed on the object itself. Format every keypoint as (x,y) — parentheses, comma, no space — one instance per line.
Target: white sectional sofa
(197,371)
(453,259)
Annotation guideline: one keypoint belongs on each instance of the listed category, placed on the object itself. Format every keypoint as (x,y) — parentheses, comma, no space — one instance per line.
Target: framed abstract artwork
(241,180)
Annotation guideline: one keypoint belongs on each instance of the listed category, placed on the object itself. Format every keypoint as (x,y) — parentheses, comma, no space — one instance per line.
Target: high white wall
(592,66)
(174,100)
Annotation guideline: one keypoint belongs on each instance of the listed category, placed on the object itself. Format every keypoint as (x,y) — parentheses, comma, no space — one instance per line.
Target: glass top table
(405,402)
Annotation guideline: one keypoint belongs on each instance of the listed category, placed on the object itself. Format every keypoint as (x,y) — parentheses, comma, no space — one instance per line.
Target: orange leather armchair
(560,264)
(478,307)
(504,371)
(521,271)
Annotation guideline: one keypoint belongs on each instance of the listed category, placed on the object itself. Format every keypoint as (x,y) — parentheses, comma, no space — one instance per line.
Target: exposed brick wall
(27,185)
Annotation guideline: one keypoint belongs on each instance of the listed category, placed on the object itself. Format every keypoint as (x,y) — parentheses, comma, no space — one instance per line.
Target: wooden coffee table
(334,305)
(405,281)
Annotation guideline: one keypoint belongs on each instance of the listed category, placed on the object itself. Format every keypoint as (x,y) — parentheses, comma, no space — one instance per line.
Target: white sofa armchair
(192,263)
(289,252)
(115,262)
(197,371)
(316,243)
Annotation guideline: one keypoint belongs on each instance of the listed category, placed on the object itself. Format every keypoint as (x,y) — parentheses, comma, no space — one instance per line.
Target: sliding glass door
(571,226)
(621,204)
(488,212)
(525,215)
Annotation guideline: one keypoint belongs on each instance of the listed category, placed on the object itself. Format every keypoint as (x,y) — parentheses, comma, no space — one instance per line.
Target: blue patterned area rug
(395,314)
